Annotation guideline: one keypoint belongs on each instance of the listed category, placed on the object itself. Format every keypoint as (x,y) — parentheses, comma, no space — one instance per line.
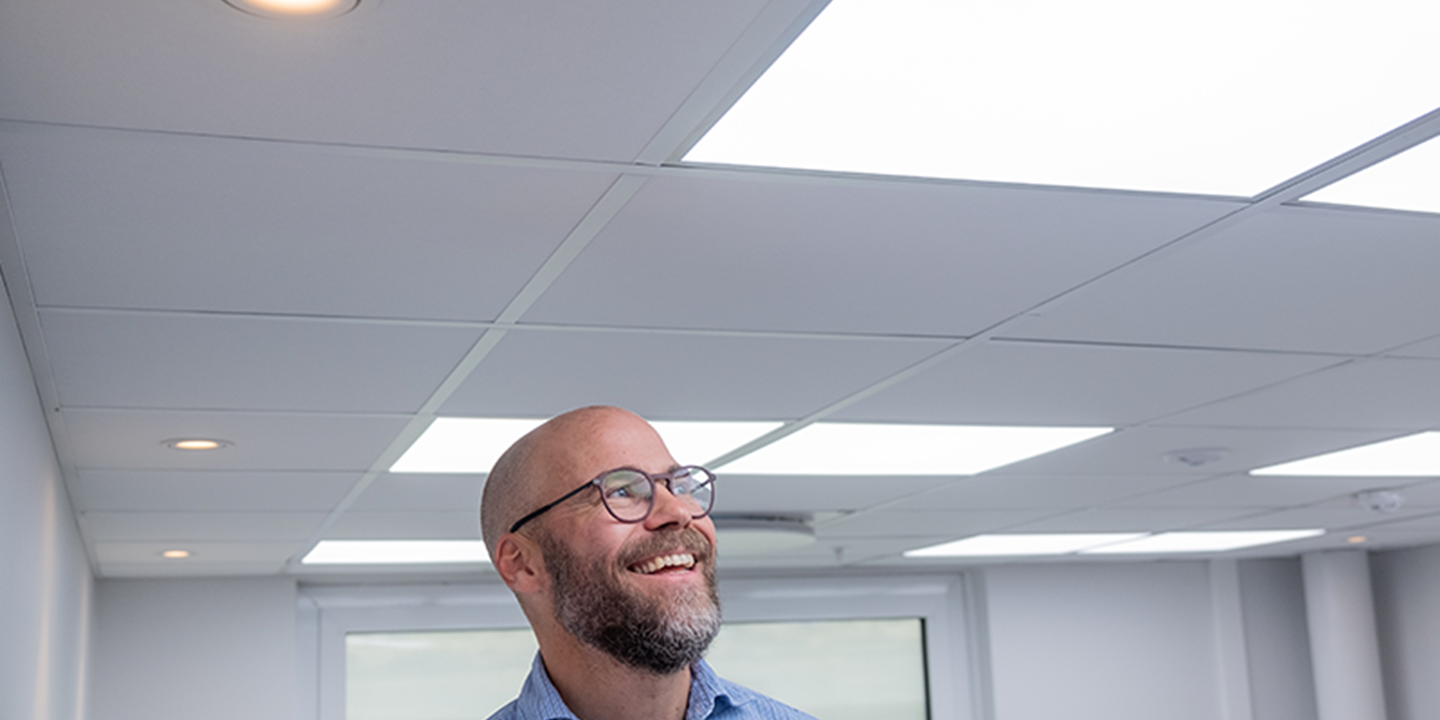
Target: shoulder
(505,713)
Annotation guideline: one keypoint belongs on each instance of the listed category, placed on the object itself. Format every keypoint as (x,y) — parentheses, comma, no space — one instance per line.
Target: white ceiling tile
(407,525)
(1142,450)
(1380,393)
(1244,491)
(1311,279)
(132,439)
(1330,518)
(1111,519)
(860,257)
(1423,521)
(1425,494)
(1050,384)
(531,78)
(949,523)
(228,362)
(189,570)
(422,491)
(192,490)
(823,553)
(676,377)
(1048,491)
(758,494)
(110,554)
(182,526)
(1429,348)
(265,227)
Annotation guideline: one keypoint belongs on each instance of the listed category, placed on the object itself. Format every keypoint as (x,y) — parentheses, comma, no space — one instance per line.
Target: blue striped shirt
(710,699)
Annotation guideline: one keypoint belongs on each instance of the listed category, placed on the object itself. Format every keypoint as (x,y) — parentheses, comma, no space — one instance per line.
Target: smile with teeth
(656,564)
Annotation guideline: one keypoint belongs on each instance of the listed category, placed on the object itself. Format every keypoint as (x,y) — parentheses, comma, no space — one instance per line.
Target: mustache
(688,539)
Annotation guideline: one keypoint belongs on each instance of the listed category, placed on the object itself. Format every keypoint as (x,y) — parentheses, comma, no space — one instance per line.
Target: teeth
(685,560)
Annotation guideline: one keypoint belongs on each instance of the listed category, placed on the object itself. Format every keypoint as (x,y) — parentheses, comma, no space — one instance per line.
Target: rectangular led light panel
(1227,97)
(394,552)
(1019,544)
(1410,456)
(1408,181)
(888,449)
(463,445)
(472,445)
(1186,542)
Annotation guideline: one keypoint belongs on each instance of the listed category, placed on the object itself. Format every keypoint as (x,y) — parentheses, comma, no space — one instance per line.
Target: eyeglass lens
(629,494)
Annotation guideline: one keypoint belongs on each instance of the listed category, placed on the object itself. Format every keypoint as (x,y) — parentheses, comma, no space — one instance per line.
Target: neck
(595,686)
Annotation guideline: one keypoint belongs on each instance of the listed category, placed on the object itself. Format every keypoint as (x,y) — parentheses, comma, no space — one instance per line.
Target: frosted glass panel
(835,670)
(454,675)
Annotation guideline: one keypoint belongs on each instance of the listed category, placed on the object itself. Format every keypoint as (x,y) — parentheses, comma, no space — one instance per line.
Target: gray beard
(592,602)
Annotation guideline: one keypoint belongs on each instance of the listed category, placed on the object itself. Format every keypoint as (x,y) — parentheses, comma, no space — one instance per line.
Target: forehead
(583,448)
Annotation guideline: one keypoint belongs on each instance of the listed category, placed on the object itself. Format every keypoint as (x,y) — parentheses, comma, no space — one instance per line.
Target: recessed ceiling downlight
(194,444)
(175,554)
(294,8)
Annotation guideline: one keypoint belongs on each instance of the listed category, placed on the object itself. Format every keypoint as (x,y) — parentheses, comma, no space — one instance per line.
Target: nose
(668,510)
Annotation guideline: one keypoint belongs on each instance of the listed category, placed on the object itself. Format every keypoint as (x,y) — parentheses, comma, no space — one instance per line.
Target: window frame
(328,613)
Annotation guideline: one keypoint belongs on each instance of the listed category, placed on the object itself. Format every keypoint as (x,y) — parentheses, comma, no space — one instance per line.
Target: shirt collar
(540,699)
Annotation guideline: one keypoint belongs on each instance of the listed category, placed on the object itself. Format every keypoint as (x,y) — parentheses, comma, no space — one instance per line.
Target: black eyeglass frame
(598,483)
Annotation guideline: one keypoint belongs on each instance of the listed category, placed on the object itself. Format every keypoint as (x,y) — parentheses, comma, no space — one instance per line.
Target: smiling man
(607,543)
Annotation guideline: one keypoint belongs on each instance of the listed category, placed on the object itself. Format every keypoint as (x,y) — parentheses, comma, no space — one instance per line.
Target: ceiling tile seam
(265,412)
(1391,351)
(1352,161)
(357,150)
(735,333)
(605,208)
(1270,385)
(1398,213)
(1274,510)
(206,512)
(735,173)
(1381,523)
(1354,360)
(1166,347)
(764,39)
(102,311)
(1293,428)
(889,504)
(496,324)
(798,424)
(210,471)
(15,275)
(192,471)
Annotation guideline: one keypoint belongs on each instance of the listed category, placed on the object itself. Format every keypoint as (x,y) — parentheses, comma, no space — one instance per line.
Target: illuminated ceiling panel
(1228,97)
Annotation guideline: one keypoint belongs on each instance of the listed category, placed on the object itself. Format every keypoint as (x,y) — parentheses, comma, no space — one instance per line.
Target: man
(607,543)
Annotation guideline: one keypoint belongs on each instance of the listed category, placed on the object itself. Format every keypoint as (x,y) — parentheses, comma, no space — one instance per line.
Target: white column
(1344,648)
(1231,656)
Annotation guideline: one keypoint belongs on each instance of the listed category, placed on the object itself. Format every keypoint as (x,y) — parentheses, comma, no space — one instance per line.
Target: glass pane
(835,670)
(455,675)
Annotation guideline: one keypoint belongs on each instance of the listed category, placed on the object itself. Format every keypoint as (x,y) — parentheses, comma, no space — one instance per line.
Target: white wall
(1123,641)
(1407,613)
(45,582)
(1080,641)
(211,648)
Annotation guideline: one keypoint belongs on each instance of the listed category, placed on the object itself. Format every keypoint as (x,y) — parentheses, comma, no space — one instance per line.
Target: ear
(520,564)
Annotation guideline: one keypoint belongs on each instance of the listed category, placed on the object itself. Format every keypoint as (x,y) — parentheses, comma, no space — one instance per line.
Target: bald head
(555,457)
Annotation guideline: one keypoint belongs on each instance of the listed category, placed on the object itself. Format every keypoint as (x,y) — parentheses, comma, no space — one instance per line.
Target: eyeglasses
(629,494)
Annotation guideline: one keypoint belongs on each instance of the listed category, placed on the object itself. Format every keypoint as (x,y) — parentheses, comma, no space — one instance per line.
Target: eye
(626,486)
